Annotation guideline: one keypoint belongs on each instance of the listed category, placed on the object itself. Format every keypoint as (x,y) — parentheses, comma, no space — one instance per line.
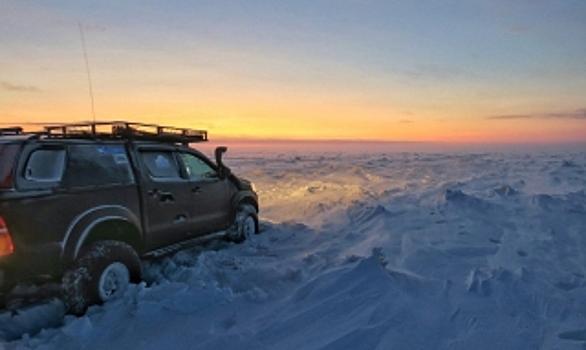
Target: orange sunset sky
(448,71)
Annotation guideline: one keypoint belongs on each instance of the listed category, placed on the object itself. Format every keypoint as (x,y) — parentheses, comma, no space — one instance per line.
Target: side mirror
(222,169)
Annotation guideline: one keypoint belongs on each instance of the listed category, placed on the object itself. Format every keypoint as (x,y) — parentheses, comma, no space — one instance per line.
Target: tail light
(6,246)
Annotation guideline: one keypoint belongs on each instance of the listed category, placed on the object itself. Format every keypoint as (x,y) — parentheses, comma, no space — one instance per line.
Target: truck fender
(244,197)
(81,228)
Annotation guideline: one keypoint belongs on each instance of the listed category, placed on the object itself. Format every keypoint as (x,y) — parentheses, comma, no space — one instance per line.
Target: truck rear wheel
(102,273)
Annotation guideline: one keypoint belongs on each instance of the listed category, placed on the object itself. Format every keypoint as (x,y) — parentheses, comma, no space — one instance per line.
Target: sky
(491,71)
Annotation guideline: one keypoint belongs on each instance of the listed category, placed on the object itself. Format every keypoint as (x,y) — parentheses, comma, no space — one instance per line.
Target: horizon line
(382,141)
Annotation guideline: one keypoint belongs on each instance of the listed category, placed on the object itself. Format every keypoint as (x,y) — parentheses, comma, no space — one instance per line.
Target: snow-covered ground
(365,250)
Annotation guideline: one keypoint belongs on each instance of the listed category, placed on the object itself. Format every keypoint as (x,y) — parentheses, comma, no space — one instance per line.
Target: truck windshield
(8,154)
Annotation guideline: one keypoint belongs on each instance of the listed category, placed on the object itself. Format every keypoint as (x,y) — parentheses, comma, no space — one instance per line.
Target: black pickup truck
(81,204)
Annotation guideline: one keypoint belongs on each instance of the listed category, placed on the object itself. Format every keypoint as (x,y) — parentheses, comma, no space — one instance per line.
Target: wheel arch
(102,223)
(244,197)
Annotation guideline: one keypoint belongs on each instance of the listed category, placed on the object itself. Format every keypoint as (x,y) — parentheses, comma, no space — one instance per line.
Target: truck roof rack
(126,130)
(14,130)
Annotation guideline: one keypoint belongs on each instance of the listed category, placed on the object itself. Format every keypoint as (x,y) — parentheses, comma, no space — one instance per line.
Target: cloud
(510,116)
(577,114)
(435,72)
(6,86)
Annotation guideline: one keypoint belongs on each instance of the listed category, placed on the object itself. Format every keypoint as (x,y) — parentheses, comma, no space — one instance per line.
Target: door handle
(166,197)
(196,190)
(161,195)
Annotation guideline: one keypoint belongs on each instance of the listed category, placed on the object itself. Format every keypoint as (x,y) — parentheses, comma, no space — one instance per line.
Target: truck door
(167,198)
(211,194)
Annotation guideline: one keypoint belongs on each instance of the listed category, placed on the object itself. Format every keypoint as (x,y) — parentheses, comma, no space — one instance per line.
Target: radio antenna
(87,67)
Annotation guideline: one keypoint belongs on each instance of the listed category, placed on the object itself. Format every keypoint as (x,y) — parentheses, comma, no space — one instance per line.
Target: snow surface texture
(365,251)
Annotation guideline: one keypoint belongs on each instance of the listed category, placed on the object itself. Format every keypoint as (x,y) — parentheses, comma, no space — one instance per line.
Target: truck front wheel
(103,272)
(245,224)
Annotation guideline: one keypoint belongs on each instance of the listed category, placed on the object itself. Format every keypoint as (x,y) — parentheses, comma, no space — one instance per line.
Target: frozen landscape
(387,248)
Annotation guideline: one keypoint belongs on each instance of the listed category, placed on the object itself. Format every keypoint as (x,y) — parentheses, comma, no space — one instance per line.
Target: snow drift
(365,251)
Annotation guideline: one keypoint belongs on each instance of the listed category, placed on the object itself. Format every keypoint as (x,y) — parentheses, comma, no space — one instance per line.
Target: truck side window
(45,165)
(197,168)
(160,164)
(97,165)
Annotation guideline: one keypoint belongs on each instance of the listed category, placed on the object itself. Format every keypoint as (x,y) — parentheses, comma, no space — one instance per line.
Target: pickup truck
(82,204)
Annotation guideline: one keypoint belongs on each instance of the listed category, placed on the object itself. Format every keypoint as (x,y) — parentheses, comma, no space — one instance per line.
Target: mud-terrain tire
(103,272)
(245,224)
